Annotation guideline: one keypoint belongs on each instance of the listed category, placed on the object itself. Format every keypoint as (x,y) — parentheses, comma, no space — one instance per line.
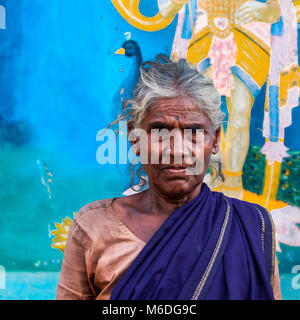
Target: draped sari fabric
(213,247)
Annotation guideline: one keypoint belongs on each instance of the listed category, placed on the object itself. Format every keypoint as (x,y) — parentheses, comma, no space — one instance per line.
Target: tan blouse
(99,250)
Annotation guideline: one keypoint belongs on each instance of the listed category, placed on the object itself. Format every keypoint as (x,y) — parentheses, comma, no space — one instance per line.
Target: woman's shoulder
(242,205)
(252,215)
(98,207)
(94,215)
(256,223)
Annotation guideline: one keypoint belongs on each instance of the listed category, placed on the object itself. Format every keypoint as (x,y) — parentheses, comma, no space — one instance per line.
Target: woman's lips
(180,171)
(176,171)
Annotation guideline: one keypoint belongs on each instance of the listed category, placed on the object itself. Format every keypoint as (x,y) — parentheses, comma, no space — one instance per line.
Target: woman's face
(171,179)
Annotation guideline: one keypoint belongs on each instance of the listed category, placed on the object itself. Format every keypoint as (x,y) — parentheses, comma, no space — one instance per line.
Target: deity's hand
(255,11)
(168,8)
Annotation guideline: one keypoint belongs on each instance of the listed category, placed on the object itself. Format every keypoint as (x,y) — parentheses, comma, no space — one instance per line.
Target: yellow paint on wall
(260,199)
(129,10)
(252,55)
(199,46)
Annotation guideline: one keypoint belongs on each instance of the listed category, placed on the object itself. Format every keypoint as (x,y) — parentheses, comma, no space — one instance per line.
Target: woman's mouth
(175,170)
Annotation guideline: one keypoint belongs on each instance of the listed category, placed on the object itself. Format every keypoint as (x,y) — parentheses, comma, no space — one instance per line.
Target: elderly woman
(177,240)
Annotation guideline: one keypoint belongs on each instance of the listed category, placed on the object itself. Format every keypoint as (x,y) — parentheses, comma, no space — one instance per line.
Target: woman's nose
(176,148)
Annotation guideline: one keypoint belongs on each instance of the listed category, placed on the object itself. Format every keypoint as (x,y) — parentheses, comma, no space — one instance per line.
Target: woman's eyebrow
(193,126)
(158,124)
(161,124)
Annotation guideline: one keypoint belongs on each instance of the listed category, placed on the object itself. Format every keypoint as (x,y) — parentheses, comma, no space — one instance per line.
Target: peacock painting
(131,50)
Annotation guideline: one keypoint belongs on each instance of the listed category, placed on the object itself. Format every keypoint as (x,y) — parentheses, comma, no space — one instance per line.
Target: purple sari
(213,247)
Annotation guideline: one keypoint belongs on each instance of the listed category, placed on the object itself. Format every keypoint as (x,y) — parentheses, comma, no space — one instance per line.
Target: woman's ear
(129,126)
(216,141)
(133,143)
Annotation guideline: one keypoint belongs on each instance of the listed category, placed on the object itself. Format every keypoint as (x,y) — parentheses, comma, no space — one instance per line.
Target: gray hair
(164,78)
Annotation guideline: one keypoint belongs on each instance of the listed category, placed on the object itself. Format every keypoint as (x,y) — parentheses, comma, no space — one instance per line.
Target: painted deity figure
(241,45)
(229,41)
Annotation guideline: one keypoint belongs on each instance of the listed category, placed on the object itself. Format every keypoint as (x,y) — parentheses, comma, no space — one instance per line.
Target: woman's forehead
(179,103)
(181,109)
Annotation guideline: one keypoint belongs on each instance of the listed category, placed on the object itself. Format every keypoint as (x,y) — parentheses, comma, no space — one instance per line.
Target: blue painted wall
(58,81)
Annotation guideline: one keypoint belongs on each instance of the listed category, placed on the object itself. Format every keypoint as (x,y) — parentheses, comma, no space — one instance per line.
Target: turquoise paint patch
(204,64)
(42,286)
(30,286)
(277,28)
(187,28)
(274,113)
(246,79)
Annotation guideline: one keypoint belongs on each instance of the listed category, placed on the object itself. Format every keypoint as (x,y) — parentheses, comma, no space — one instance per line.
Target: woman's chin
(175,189)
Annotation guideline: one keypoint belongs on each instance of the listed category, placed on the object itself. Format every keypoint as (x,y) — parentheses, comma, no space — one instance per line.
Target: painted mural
(250,50)
(66,68)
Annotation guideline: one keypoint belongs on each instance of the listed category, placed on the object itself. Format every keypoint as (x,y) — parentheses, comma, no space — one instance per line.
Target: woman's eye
(159,129)
(194,131)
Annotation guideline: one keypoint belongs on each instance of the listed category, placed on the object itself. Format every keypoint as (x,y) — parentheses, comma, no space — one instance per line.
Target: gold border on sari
(273,242)
(273,248)
(214,255)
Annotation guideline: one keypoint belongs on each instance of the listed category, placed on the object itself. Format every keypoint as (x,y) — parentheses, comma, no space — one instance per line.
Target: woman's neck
(159,204)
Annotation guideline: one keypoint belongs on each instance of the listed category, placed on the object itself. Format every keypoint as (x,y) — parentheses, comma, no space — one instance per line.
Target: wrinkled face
(180,113)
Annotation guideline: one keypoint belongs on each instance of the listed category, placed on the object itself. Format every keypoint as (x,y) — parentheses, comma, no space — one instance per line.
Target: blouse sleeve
(73,281)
